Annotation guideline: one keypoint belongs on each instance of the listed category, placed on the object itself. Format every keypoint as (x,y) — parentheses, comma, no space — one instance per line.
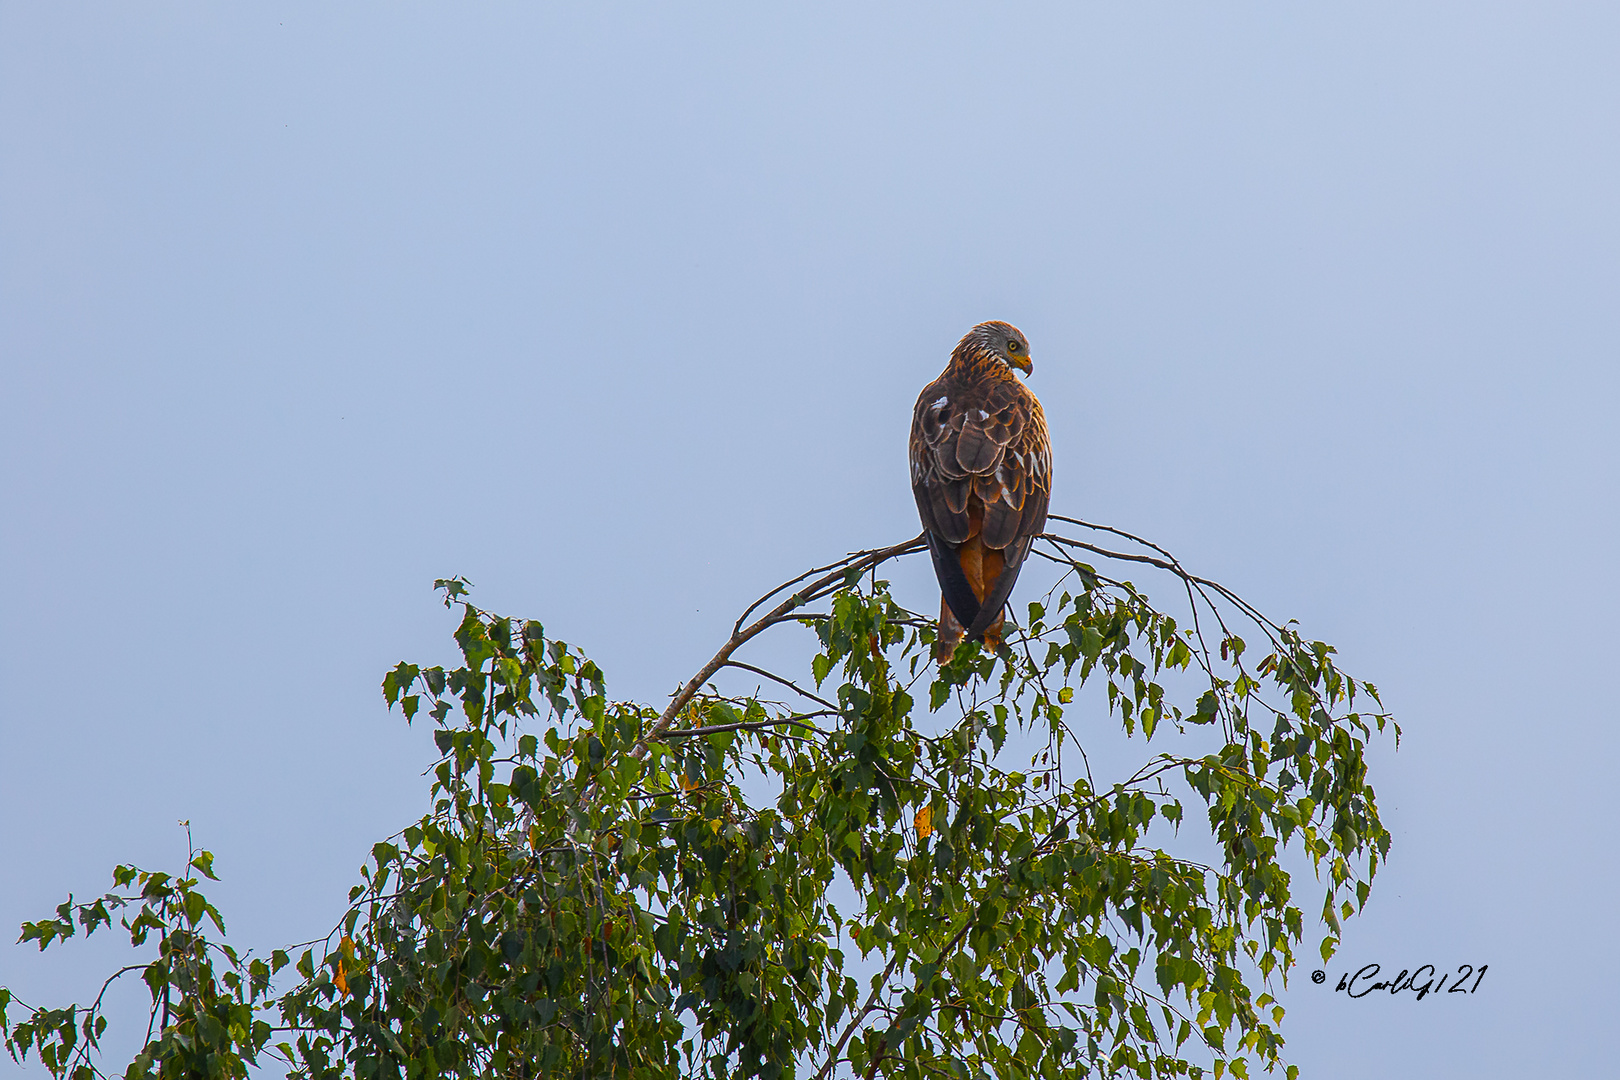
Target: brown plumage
(981,469)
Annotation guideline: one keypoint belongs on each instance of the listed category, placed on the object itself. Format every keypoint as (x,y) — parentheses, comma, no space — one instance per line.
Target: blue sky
(620,312)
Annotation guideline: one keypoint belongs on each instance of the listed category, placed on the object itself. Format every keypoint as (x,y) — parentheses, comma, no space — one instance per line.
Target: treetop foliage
(876,867)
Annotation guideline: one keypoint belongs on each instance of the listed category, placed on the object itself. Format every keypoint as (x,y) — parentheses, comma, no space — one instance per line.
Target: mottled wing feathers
(1016,494)
(984,440)
(940,485)
(978,437)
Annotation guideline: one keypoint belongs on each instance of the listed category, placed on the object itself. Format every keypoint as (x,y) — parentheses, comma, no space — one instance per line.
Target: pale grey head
(1002,341)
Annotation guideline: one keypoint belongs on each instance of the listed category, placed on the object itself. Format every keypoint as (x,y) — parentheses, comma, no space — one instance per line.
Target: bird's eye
(1013,346)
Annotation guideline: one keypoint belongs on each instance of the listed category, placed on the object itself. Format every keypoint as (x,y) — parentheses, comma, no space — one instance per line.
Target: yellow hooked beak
(1021,362)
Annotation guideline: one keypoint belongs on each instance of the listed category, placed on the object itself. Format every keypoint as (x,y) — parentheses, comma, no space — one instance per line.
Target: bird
(981,471)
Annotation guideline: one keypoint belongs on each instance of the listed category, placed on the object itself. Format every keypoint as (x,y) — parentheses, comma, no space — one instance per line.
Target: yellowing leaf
(687,785)
(924,822)
(340,977)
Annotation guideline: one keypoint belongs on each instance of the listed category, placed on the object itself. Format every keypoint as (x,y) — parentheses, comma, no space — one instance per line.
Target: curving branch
(789,683)
(831,576)
(797,720)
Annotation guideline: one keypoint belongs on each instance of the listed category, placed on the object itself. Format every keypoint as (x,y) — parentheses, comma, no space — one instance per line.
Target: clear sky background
(620,312)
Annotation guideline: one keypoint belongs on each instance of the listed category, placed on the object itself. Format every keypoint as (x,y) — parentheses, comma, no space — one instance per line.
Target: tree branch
(855,563)
(748,725)
(785,682)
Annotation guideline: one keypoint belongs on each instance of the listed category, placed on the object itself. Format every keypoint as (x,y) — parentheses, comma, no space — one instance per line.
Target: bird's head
(1001,340)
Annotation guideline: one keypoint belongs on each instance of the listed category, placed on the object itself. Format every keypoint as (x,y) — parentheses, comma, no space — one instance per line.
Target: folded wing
(981,470)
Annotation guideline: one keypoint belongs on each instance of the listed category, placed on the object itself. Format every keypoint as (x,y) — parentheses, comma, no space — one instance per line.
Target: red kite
(981,469)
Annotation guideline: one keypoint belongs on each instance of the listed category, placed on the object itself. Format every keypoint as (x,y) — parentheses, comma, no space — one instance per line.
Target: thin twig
(860,1017)
(748,725)
(785,682)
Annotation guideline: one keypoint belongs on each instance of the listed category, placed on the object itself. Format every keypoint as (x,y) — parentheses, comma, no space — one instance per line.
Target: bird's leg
(992,634)
(950,633)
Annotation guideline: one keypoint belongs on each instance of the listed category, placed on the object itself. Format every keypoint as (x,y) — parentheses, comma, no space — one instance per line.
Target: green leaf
(627,899)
